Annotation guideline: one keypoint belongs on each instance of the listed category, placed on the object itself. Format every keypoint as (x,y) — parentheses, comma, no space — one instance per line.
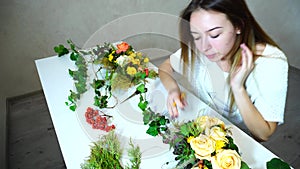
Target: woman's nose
(205,45)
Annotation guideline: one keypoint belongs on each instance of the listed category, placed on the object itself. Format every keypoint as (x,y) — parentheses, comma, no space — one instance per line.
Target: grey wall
(31,28)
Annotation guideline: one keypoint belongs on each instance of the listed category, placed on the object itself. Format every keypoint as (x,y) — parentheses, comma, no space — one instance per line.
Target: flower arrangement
(204,143)
(116,66)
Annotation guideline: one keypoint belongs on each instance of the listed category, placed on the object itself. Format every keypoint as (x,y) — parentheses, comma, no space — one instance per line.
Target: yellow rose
(217,133)
(146,60)
(203,146)
(226,159)
(136,61)
(131,70)
(132,55)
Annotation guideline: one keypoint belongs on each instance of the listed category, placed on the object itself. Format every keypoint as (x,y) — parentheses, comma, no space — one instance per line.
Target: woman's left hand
(239,77)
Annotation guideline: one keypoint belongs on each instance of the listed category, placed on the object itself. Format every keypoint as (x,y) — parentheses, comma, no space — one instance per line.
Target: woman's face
(214,35)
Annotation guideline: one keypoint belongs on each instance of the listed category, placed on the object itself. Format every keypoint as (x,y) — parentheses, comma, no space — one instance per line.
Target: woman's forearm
(165,72)
(255,122)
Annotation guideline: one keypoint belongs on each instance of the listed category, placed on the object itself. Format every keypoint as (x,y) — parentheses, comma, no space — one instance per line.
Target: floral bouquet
(116,66)
(204,143)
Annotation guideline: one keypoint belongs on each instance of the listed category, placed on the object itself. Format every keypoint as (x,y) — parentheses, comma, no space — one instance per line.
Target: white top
(266,84)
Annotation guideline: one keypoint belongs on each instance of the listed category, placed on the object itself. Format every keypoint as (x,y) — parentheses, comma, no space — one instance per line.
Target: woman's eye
(214,36)
(197,38)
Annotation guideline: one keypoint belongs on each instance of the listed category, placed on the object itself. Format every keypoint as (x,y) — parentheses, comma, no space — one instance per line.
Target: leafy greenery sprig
(79,76)
(107,153)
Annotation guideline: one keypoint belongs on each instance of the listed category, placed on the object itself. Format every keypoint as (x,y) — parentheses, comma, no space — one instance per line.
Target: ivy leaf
(71,72)
(80,87)
(61,50)
(74,56)
(146,116)
(152,130)
(162,120)
(141,88)
(97,84)
(143,105)
(73,107)
(276,163)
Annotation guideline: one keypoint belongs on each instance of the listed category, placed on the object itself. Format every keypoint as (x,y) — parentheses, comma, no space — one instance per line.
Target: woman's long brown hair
(239,15)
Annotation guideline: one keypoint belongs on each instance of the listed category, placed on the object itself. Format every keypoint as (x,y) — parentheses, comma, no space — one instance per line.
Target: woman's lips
(210,56)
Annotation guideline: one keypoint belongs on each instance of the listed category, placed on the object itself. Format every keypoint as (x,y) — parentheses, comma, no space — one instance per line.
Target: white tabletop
(75,142)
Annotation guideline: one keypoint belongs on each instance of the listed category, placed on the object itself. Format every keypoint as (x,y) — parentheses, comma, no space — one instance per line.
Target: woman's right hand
(175,100)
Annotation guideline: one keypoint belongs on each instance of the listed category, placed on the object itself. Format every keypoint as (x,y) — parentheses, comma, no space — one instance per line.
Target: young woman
(231,64)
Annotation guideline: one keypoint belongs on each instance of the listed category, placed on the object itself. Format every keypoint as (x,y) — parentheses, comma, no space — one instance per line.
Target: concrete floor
(33,143)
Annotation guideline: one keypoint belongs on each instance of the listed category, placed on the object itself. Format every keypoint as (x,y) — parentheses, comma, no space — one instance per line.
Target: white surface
(75,142)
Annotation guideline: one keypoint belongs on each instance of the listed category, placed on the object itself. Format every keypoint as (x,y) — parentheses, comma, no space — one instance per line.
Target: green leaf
(71,72)
(143,105)
(73,107)
(61,50)
(141,88)
(152,130)
(184,130)
(74,56)
(162,120)
(146,116)
(276,163)
(244,165)
(97,84)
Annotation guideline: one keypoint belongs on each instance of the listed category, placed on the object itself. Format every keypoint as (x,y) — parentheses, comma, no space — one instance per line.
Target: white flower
(121,60)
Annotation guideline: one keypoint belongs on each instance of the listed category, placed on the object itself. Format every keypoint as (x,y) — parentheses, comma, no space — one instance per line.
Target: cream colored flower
(207,122)
(202,121)
(203,146)
(218,134)
(226,159)
(121,60)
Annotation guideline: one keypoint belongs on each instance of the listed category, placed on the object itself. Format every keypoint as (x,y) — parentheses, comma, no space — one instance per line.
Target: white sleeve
(271,78)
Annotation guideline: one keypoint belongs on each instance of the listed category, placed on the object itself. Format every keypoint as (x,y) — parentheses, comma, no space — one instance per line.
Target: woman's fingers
(247,56)
(175,101)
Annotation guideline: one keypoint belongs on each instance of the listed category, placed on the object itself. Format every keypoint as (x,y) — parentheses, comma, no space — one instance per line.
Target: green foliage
(135,156)
(190,129)
(61,50)
(107,153)
(277,163)
(231,145)
(157,123)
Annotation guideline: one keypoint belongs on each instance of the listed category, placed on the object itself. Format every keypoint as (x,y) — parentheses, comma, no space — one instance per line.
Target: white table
(75,143)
